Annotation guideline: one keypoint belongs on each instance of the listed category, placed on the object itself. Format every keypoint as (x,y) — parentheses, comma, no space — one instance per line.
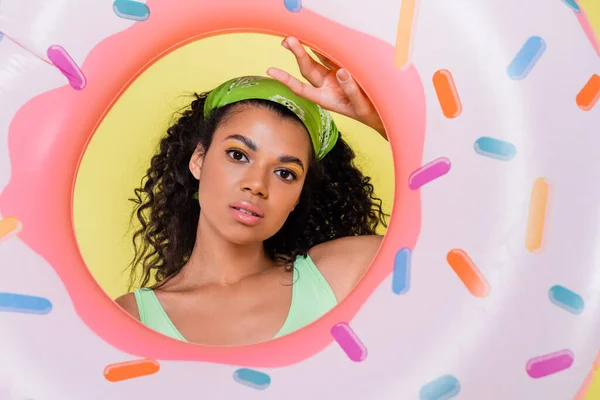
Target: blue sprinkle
(20,303)
(526,58)
(566,299)
(293,5)
(495,148)
(443,388)
(252,378)
(133,10)
(1,35)
(573,5)
(401,275)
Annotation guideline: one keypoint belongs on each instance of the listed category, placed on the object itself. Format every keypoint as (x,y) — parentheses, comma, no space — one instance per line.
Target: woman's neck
(215,260)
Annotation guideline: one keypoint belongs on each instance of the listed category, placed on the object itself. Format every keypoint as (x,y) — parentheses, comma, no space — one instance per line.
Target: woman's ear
(196,161)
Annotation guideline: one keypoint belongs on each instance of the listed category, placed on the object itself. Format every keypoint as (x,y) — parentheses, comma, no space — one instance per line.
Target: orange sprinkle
(9,227)
(597,361)
(405,33)
(130,369)
(447,94)
(588,96)
(538,210)
(468,273)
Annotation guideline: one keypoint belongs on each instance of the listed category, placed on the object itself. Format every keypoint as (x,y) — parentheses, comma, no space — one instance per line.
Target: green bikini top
(312,297)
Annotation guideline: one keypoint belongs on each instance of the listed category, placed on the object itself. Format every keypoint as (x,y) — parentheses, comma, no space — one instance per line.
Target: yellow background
(594,392)
(592,10)
(121,148)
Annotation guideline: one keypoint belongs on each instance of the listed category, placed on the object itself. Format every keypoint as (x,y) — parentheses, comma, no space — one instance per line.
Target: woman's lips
(244,205)
(246,213)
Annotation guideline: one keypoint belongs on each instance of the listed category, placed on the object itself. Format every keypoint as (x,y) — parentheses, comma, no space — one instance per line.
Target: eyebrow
(248,142)
(252,146)
(292,160)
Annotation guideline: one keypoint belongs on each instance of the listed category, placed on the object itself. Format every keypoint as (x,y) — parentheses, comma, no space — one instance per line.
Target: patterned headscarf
(318,121)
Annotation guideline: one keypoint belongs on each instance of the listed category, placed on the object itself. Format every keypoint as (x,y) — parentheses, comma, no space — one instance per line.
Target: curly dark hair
(337,200)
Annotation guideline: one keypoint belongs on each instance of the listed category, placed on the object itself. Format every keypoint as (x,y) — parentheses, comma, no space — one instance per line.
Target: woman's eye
(236,155)
(286,175)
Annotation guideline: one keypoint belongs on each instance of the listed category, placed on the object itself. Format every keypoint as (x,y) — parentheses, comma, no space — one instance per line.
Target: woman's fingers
(311,70)
(362,108)
(298,87)
(360,103)
(326,61)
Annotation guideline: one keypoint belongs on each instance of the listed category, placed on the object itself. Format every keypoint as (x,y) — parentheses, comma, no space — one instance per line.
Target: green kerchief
(318,121)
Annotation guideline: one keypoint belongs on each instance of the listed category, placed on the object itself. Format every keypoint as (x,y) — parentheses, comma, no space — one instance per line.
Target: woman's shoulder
(348,247)
(344,261)
(128,303)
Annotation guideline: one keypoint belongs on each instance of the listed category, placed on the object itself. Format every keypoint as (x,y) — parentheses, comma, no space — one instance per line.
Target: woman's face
(252,175)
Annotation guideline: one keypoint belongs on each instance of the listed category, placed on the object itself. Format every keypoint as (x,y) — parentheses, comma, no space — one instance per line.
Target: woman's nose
(255,181)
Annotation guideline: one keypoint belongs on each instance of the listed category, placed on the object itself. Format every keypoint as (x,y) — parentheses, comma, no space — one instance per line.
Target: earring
(195,195)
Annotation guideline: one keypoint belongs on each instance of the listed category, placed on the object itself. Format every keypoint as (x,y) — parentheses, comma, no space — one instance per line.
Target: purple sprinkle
(548,364)
(429,172)
(349,342)
(65,63)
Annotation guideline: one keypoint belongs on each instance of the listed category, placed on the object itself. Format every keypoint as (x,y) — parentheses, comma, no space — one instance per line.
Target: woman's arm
(344,261)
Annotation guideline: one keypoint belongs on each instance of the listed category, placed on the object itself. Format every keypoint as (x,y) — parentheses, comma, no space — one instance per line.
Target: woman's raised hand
(331,86)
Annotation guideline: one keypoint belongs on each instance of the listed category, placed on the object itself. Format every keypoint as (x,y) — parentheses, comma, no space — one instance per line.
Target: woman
(254,221)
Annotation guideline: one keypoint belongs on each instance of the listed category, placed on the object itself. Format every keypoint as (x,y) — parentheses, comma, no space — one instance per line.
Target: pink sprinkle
(349,342)
(548,364)
(429,172)
(63,61)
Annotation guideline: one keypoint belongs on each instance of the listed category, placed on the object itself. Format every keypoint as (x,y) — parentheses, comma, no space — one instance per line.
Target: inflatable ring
(489,277)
